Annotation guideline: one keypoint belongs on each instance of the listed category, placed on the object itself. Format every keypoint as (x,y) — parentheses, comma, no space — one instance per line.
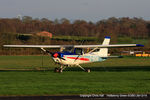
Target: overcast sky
(90,10)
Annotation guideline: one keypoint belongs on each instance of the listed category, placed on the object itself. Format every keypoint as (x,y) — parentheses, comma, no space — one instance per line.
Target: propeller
(57,55)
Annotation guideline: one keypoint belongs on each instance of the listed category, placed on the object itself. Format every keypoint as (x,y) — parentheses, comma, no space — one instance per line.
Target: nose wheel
(59,70)
(56,70)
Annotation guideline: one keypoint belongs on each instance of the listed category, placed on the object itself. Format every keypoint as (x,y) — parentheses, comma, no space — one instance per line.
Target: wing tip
(139,45)
(107,37)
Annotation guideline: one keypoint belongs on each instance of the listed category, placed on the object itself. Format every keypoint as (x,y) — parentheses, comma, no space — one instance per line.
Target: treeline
(131,27)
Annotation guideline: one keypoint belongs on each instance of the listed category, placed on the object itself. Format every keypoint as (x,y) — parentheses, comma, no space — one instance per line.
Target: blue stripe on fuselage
(65,53)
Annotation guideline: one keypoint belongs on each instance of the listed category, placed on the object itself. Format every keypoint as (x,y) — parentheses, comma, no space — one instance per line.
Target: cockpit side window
(78,51)
(96,50)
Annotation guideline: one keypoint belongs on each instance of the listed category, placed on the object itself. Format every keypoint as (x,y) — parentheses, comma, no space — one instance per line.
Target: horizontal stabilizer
(113,57)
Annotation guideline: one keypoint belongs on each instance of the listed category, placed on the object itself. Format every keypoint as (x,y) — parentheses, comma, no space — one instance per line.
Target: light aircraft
(73,55)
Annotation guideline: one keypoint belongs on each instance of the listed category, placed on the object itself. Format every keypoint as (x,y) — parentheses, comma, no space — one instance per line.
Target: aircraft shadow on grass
(93,69)
(115,69)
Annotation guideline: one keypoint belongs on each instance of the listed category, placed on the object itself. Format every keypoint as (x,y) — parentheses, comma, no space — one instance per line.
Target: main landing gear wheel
(88,70)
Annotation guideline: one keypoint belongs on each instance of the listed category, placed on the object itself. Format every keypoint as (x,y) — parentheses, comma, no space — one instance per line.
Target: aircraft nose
(55,55)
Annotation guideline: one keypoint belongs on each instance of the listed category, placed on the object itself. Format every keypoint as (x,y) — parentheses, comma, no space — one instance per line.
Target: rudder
(103,52)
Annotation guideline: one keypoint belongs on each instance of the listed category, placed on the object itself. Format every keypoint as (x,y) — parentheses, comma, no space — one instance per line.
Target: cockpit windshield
(68,49)
(76,51)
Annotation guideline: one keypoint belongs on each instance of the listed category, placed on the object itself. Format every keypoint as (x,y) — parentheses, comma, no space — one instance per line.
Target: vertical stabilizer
(103,52)
(106,40)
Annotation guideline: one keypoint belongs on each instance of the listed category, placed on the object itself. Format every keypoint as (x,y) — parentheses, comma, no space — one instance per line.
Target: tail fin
(106,40)
(103,52)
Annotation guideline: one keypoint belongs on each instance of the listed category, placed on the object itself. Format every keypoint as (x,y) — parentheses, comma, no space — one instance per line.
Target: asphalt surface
(73,97)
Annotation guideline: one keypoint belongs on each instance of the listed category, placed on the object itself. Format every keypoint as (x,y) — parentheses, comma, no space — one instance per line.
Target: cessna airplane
(73,55)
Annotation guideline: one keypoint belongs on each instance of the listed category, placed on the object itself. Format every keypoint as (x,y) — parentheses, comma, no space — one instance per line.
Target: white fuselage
(78,59)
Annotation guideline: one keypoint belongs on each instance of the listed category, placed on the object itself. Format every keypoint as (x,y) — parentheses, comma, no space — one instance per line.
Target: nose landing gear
(60,70)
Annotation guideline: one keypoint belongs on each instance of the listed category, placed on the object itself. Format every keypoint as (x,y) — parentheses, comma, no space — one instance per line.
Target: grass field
(25,75)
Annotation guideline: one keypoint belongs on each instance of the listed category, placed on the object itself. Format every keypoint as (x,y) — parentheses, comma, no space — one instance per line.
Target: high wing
(33,46)
(75,46)
(108,46)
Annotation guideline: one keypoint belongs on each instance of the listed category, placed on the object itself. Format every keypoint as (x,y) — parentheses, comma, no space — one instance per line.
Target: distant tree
(148,28)
(80,28)
(56,21)
(64,21)
(26,19)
